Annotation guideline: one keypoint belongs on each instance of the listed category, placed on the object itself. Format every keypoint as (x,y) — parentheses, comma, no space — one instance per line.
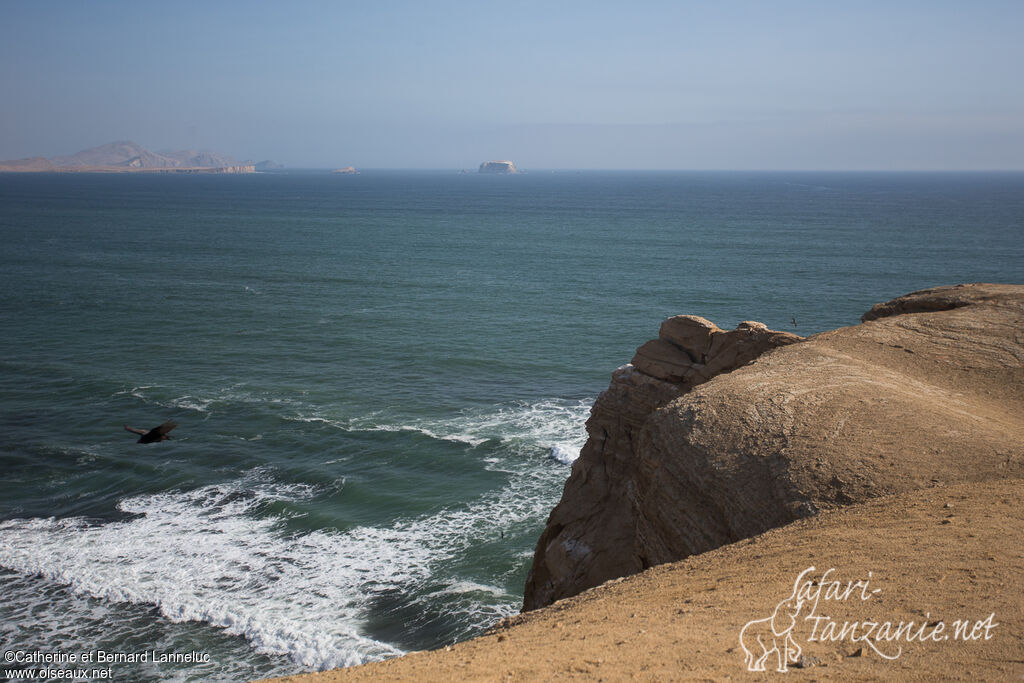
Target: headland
(731,478)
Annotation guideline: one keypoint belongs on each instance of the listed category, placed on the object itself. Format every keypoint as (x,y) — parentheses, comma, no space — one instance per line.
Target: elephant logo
(759,638)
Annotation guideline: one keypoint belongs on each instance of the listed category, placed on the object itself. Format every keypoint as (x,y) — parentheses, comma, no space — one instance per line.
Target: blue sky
(652,85)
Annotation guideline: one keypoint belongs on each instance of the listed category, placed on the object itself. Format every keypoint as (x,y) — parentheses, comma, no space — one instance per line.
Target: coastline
(125,169)
(880,455)
(942,554)
(410,529)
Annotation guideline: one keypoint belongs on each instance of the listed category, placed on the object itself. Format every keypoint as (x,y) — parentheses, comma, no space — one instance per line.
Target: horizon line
(567,169)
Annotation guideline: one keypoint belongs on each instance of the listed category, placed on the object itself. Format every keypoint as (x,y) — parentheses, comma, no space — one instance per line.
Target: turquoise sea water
(380,380)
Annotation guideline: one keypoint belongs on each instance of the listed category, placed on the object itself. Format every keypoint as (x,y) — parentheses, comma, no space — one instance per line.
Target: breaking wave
(212,555)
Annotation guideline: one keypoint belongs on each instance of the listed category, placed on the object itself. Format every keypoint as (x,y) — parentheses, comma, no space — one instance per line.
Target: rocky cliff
(709,436)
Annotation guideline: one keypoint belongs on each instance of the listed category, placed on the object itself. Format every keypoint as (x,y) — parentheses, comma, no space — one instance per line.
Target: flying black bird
(794,322)
(153,435)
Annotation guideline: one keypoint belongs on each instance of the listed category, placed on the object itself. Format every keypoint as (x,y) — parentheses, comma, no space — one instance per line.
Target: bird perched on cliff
(155,434)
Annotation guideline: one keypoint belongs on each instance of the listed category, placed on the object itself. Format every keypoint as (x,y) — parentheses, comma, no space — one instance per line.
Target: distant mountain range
(129,156)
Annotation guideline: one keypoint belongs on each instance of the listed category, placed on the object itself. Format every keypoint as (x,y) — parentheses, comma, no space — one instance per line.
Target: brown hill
(124,155)
(121,153)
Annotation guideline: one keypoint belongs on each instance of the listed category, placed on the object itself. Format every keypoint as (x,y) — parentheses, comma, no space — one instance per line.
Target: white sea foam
(205,402)
(368,425)
(206,556)
(59,620)
(203,556)
(565,453)
(555,425)
(135,392)
(463,587)
(199,405)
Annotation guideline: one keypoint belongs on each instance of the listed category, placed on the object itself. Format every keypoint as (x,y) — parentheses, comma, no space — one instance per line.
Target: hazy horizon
(400,85)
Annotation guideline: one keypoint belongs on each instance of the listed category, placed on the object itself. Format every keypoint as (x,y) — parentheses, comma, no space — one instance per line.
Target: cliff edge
(709,437)
(940,555)
(889,451)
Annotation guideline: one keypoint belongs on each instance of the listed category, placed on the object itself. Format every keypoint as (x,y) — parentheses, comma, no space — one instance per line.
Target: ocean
(380,380)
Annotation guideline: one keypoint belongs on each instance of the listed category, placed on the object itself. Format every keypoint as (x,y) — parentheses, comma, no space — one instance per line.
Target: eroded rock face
(931,392)
(591,535)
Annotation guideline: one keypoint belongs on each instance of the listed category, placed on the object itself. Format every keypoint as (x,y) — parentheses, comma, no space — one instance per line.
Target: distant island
(128,157)
(498,167)
(348,170)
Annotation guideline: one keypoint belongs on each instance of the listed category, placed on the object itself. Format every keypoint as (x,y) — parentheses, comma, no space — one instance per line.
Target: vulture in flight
(153,435)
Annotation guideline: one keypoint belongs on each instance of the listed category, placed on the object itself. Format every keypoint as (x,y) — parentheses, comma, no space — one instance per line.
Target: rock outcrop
(709,437)
(498,167)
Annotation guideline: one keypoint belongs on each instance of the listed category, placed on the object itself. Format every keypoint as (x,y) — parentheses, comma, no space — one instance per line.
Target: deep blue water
(379,380)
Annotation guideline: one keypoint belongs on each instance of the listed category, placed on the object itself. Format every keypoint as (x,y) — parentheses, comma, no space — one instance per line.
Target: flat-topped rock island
(498,167)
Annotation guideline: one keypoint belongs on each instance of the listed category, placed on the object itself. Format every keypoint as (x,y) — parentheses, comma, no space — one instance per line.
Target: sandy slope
(938,555)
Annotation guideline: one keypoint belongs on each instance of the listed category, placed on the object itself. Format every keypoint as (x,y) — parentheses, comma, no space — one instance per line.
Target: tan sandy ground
(937,556)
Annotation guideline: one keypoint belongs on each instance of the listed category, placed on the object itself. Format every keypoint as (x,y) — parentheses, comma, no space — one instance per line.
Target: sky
(894,85)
